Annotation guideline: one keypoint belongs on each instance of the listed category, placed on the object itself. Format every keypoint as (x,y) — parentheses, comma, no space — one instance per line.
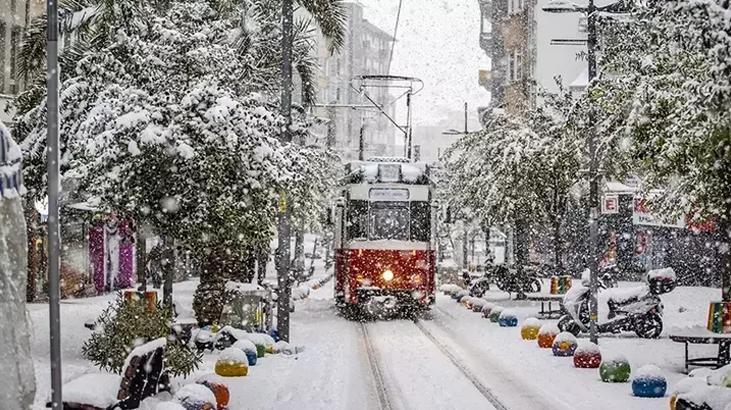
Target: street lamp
(565,6)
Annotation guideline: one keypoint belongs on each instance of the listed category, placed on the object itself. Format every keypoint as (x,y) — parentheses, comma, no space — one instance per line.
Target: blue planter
(649,387)
(251,357)
(508,321)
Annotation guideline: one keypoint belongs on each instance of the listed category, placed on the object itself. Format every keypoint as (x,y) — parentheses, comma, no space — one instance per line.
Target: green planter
(615,371)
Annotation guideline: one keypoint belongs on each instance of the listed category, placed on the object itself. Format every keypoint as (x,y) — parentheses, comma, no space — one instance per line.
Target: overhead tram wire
(395,34)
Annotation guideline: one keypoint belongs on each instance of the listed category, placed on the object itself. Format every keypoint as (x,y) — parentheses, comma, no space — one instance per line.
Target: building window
(515,6)
(515,65)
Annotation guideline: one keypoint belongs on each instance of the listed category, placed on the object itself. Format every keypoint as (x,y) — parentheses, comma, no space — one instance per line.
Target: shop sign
(642,216)
(610,204)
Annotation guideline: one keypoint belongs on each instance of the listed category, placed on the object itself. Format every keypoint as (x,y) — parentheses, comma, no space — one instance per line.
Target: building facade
(529,48)
(15,16)
(366,52)
(508,38)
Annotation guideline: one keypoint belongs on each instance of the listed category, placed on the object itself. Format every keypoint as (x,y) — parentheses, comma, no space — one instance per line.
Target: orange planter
(545,340)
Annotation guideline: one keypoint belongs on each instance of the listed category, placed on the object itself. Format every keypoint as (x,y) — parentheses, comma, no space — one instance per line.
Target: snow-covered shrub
(124,325)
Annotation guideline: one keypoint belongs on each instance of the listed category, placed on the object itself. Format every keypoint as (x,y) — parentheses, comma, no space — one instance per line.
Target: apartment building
(15,16)
(366,52)
(529,49)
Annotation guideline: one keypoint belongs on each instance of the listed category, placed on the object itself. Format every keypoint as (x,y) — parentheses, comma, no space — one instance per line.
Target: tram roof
(387,170)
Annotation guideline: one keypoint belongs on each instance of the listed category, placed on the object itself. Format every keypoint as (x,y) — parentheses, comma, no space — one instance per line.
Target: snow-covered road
(451,358)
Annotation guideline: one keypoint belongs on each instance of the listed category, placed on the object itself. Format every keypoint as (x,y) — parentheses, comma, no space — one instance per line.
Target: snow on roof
(94,389)
(11,177)
(619,188)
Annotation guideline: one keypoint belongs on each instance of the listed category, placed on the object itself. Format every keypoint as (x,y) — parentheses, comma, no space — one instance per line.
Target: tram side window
(357,224)
(420,221)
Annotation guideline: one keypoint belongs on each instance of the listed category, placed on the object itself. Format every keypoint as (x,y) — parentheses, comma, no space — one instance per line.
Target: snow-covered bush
(124,325)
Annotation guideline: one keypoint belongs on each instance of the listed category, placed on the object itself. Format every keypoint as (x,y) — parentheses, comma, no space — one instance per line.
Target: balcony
(486,42)
(485,79)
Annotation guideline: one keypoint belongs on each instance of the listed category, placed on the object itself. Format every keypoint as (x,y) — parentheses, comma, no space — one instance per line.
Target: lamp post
(282,261)
(54,188)
(564,6)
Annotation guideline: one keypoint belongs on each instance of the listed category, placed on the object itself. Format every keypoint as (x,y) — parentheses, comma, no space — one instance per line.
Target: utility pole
(54,188)
(593,183)
(591,11)
(282,261)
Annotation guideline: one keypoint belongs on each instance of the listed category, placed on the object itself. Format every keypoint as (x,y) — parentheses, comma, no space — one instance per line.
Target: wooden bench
(547,300)
(703,336)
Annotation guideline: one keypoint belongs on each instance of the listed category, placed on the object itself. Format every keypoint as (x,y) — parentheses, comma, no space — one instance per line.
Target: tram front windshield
(389,220)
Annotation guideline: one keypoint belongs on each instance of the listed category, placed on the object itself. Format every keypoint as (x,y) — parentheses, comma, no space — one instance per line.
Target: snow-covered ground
(336,370)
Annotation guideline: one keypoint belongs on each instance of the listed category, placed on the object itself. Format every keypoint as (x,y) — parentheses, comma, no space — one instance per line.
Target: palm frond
(305,59)
(331,17)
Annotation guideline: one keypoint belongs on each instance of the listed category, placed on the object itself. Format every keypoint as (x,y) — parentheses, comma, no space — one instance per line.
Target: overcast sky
(438,41)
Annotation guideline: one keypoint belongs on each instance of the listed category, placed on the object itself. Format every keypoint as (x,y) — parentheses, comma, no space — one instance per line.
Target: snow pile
(301,292)
(532,322)
(192,394)
(448,264)
(144,349)
(665,274)
(169,405)
(478,303)
(242,287)
(93,389)
(614,358)
(621,295)
(245,345)
(550,329)
(232,355)
(284,348)
(563,337)
(586,348)
(508,314)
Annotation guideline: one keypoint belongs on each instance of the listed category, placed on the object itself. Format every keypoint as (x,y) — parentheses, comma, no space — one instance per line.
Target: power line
(395,33)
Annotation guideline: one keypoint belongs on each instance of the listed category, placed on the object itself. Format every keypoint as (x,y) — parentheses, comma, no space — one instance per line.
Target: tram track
(376,371)
(466,372)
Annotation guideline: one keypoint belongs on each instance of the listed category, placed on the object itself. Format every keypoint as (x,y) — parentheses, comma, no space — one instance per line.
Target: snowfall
(451,358)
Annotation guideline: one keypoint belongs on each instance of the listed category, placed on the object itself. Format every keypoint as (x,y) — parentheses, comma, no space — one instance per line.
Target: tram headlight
(388,275)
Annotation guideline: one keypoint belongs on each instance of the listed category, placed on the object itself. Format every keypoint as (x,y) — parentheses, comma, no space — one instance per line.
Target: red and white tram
(385,236)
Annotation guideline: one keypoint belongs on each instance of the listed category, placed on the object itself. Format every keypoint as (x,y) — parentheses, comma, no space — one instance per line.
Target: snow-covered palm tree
(87,24)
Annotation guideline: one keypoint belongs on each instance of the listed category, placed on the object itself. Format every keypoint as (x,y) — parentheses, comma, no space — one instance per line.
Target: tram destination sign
(388,194)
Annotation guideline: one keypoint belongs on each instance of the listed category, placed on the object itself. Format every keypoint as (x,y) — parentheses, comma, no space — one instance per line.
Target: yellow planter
(529,332)
(231,369)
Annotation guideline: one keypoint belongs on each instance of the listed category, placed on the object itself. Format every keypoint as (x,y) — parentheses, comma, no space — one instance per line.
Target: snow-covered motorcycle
(637,309)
